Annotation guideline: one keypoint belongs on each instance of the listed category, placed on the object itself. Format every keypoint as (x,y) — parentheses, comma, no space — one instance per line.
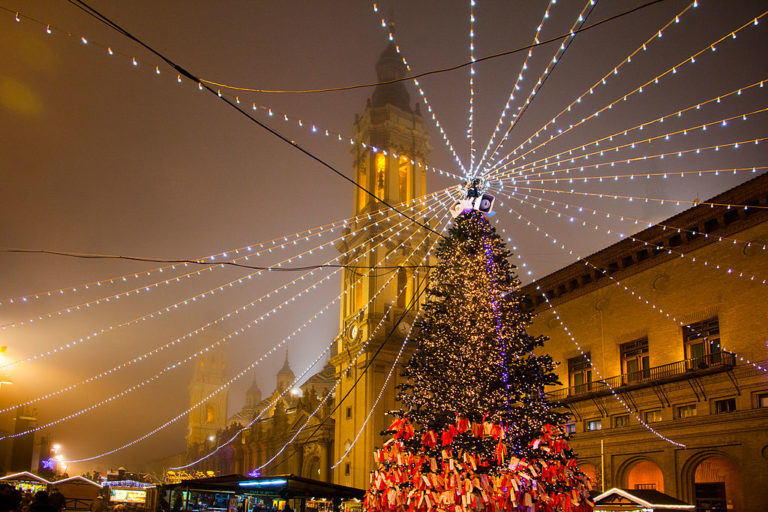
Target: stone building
(280,416)
(205,421)
(389,155)
(673,345)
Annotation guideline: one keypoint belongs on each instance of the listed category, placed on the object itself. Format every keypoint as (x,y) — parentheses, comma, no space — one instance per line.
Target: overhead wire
(108,22)
(216,391)
(434,71)
(580,20)
(691,59)
(191,333)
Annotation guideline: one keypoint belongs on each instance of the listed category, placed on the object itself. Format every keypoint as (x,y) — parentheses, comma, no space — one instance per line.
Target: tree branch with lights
(475,430)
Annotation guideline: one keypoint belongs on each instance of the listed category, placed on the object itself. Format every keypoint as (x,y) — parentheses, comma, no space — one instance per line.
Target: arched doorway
(645,475)
(717,485)
(593,473)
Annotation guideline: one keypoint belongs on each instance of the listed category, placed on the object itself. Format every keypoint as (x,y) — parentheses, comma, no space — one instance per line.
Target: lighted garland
(474,429)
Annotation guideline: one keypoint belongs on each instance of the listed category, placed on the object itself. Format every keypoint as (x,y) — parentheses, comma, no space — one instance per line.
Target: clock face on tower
(354,331)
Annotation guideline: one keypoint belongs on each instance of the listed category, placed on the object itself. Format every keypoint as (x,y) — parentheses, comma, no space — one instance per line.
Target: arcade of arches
(711,481)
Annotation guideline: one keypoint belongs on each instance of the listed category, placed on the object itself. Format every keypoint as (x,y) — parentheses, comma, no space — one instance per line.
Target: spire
(286,369)
(389,67)
(252,396)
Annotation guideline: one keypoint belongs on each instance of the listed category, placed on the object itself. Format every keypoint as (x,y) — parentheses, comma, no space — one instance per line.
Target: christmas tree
(475,431)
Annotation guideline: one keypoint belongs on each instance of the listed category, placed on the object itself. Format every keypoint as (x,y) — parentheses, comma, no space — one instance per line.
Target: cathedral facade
(389,156)
(263,426)
(390,151)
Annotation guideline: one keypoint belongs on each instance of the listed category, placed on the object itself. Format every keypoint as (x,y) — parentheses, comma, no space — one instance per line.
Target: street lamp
(3,359)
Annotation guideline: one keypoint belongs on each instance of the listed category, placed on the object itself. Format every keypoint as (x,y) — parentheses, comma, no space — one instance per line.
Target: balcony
(679,370)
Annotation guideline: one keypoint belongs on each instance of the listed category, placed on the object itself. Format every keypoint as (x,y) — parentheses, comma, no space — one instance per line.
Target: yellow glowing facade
(389,157)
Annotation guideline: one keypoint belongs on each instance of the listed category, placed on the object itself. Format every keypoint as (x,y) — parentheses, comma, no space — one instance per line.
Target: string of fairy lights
(255,363)
(636,221)
(388,27)
(382,238)
(337,383)
(560,244)
(655,81)
(261,248)
(227,285)
(113,327)
(278,346)
(516,85)
(513,170)
(471,114)
(633,145)
(658,246)
(556,159)
(598,84)
(580,19)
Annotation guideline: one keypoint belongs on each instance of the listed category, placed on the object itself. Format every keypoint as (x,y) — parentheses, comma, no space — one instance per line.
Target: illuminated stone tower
(207,419)
(389,155)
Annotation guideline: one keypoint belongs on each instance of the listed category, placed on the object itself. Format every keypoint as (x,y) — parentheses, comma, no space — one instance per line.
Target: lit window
(762,400)
(622,420)
(653,416)
(686,411)
(725,405)
(593,425)
(702,344)
(580,374)
(634,361)
(570,428)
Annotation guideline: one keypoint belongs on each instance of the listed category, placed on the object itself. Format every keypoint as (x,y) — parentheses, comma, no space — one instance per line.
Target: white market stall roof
(27,476)
(635,499)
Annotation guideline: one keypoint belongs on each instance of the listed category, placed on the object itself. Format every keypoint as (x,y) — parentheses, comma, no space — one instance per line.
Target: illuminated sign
(128,495)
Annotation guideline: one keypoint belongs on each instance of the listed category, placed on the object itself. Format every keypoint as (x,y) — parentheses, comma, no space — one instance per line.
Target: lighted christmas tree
(475,431)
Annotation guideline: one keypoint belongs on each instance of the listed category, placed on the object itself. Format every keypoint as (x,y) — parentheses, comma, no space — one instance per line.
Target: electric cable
(83,255)
(425,73)
(80,4)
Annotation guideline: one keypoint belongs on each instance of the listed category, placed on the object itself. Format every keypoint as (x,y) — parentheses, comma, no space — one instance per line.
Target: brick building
(669,328)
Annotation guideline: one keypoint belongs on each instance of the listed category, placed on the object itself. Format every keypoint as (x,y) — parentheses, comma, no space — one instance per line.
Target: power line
(10,250)
(540,86)
(434,71)
(106,21)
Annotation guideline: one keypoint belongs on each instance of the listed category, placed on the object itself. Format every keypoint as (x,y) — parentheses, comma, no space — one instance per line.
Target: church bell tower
(390,151)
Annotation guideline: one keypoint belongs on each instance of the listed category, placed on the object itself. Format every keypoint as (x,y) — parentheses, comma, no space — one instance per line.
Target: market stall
(239,493)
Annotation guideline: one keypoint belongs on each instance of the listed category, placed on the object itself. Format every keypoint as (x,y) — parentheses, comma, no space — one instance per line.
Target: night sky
(98,155)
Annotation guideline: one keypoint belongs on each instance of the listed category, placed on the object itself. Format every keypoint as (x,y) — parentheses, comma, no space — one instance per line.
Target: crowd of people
(13,500)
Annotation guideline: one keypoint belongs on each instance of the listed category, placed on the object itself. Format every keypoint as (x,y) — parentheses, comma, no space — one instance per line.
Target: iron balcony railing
(678,370)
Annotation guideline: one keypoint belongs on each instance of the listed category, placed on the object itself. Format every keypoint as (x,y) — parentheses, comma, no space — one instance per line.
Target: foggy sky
(98,155)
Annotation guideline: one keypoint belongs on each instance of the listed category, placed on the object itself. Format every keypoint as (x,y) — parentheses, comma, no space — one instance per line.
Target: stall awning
(631,499)
(288,486)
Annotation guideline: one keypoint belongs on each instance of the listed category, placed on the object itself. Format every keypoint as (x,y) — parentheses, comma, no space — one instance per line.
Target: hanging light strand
(516,86)
(621,285)
(657,246)
(331,392)
(166,309)
(203,328)
(733,145)
(210,395)
(556,158)
(684,64)
(564,44)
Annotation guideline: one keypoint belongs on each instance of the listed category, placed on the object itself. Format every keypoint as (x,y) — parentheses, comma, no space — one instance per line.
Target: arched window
(402,287)
(717,484)
(645,475)
(210,413)
(381,176)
